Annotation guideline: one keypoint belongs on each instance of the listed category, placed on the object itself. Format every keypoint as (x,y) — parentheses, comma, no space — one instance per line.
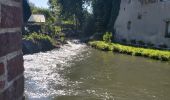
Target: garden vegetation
(35,37)
(162,55)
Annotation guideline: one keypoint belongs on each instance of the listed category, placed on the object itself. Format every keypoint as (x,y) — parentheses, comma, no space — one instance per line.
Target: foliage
(101,45)
(39,37)
(54,30)
(62,38)
(141,42)
(163,46)
(68,22)
(55,9)
(70,10)
(67,8)
(133,41)
(105,12)
(102,17)
(135,51)
(124,41)
(150,44)
(107,37)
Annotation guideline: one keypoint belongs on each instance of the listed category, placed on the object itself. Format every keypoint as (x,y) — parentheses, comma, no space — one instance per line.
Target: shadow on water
(77,72)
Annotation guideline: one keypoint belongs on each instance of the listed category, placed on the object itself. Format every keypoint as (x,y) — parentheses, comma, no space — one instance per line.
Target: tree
(105,12)
(55,8)
(70,9)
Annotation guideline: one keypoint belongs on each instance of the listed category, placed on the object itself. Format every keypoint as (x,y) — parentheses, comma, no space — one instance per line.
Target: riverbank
(35,43)
(162,55)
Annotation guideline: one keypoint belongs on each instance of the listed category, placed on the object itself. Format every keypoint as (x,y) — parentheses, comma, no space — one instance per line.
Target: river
(77,72)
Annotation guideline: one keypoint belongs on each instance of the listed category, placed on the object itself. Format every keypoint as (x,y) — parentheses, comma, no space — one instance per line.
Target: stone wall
(143,21)
(11,58)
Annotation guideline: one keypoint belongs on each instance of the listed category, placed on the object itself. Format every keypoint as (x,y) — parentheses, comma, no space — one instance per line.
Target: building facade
(144,20)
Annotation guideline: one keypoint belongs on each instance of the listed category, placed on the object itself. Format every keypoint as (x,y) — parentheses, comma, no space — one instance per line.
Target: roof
(37,18)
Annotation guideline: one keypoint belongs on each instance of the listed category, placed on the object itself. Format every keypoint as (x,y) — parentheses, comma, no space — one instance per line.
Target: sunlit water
(76,72)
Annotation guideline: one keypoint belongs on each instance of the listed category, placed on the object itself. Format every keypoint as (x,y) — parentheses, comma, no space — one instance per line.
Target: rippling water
(76,72)
(42,70)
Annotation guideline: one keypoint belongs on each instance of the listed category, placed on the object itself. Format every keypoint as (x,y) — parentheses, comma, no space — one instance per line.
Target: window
(129,25)
(139,16)
(167,30)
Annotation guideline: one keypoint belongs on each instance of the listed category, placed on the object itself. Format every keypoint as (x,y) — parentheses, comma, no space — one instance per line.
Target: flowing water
(77,72)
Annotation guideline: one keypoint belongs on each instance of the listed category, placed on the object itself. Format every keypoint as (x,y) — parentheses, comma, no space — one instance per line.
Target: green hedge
(135,51)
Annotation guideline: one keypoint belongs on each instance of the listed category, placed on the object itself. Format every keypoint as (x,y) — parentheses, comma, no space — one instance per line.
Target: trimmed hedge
(130,50)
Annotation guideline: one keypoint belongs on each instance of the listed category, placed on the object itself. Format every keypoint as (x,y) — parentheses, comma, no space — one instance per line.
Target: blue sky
(40,3)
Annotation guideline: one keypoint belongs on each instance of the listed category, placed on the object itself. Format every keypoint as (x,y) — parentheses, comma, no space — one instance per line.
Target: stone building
(35,23)
(144,20)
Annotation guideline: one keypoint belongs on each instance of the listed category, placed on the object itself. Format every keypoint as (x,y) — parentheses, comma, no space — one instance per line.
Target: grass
(130,50)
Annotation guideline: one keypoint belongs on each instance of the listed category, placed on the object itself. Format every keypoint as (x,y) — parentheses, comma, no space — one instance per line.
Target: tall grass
(130,50)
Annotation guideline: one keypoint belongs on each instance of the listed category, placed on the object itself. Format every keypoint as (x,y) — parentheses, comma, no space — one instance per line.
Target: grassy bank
(130,50)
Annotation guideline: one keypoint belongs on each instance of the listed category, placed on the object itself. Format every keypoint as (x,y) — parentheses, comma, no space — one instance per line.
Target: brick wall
(11,59)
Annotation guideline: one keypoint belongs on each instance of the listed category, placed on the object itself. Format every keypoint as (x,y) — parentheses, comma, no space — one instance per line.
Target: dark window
(167,30)
(129,25)
(139,16)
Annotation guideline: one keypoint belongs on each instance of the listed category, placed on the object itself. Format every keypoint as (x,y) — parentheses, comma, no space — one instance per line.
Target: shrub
(141,42)
(39,37)
(163,46)
(62,38)
(133,41)
(124,40)
(107,37)
(150,44)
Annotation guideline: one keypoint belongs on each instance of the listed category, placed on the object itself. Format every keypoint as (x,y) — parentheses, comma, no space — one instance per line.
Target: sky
(40,3)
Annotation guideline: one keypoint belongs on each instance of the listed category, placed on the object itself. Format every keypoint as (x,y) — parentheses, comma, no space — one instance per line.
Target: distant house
(37,18)
(35,23)
(146,22)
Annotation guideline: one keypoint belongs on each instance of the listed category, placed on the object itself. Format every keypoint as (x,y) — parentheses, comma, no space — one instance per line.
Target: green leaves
(39,37)
(135,51)
(107,37)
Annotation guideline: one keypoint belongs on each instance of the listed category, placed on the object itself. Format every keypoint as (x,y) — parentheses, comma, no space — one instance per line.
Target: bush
(39,37)
(107,37)
(133,41)
(124,41)
(150,44)
(54,30)
(163,46)
(141,42)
